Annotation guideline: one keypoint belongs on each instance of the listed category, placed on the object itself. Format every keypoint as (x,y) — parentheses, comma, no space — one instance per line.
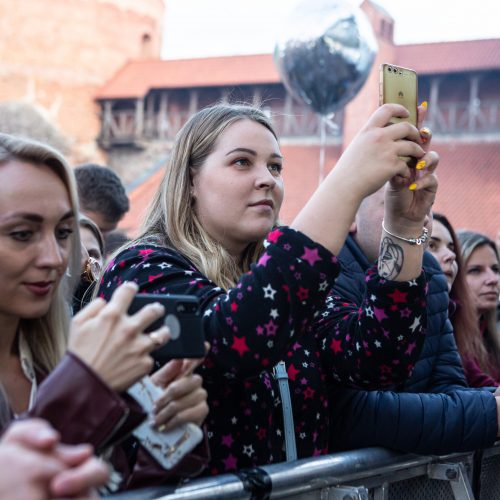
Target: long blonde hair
(469,242)
(47,335)
(171,219)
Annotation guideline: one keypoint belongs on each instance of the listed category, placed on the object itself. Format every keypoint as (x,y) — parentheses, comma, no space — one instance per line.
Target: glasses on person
(91,270)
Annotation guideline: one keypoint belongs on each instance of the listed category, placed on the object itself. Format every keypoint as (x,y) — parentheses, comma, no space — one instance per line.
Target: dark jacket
(434,412)
(266,318)
(83,409)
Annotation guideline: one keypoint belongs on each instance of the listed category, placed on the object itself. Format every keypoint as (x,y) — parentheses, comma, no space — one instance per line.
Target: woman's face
(483,278)
(90,248)
(442,247)
(36,222)
(238,191)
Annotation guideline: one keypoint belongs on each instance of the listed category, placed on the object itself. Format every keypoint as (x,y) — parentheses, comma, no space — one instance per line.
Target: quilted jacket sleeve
(416,423)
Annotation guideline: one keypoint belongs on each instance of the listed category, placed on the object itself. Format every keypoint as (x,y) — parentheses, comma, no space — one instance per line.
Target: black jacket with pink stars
(281,310)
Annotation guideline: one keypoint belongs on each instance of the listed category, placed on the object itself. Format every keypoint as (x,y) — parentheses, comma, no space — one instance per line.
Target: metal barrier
(365,474)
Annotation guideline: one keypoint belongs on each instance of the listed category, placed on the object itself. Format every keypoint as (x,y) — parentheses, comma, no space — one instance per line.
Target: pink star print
(410,348)
(230,462)
(292,372)
(311,255)
(263,260)
(398,296)
(274,236)
(379,314)
(227,440)
(240,345)
(271,328)
(335,346)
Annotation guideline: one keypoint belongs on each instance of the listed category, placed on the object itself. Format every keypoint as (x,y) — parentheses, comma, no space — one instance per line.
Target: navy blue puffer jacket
(434,412)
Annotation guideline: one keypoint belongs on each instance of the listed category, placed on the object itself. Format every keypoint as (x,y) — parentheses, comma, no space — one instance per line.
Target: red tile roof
(136,78)
(450,57)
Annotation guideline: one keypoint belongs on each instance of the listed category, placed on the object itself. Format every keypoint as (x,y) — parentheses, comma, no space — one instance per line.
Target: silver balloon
(325,53)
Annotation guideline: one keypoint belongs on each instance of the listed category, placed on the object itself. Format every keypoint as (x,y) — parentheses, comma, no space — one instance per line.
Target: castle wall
(56,53)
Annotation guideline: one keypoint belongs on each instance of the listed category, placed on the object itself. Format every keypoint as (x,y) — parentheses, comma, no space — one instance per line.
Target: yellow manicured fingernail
(424,104)
(412,187)
(420,165)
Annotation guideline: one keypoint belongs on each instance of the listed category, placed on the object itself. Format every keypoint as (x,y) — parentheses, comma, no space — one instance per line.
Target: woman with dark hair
(445,246)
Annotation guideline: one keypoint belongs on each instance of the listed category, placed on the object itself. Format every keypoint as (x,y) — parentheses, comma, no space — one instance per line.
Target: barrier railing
(365,474)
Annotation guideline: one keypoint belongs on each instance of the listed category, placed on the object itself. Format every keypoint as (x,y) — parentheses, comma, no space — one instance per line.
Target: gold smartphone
(399,85)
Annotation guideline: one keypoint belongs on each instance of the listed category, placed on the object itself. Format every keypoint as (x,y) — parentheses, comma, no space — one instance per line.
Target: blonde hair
(171,219)
(47,335)
(469,242)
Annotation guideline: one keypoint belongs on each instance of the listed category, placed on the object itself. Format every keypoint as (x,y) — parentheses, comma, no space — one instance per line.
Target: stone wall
(54,54)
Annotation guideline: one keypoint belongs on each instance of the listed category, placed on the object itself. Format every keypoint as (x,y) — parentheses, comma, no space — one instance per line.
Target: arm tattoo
(390,260)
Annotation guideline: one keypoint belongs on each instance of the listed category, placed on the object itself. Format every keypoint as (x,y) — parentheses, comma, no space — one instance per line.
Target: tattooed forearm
(390,260)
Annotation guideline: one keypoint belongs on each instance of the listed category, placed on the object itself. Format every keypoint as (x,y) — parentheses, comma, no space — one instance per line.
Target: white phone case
(167,448)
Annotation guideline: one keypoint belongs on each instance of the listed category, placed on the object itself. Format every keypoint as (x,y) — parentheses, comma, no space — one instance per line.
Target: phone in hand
(400,86)
(166,447)
(183,317)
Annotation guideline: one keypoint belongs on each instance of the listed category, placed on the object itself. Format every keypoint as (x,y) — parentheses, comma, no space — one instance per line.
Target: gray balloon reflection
(325,53)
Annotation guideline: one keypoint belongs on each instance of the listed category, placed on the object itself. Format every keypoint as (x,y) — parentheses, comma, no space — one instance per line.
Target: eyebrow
(35,217)
(251,152)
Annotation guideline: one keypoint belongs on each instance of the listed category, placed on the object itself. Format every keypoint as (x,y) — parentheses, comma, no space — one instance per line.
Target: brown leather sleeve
(82,408)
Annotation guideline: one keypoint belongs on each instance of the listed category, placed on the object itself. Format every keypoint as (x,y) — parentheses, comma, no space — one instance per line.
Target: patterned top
(280,310)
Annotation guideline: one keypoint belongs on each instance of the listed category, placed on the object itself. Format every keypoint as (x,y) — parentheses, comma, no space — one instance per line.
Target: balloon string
(322,147)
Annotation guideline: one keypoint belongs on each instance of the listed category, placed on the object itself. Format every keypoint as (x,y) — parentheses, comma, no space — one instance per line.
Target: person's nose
(492,277)
(51,253)
(264,178)
(449,256)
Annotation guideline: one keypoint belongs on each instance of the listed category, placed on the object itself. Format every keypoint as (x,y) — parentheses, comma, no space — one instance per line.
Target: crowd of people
(368,321)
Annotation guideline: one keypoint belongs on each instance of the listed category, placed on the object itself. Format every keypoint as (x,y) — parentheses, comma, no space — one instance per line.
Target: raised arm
(372,158)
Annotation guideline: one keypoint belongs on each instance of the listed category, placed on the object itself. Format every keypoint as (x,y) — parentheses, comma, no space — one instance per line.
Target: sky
(203,28)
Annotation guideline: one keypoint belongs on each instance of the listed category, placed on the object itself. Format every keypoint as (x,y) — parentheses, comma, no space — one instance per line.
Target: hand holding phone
(400,86)
(167,447)
(183,317)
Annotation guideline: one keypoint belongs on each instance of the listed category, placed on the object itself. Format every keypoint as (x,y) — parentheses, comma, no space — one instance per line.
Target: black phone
(183,317)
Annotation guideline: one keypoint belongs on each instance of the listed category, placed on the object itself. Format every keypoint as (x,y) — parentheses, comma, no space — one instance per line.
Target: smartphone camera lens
(389,69)
(187,307)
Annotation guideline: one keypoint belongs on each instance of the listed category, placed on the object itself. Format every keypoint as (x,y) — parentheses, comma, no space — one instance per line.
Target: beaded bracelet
(412,241)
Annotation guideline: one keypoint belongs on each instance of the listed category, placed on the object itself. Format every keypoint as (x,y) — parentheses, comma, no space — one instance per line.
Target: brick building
(146,102)
(92,67)
(55,54)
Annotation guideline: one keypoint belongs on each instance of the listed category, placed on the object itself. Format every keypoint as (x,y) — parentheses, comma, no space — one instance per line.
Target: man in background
(102,196)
